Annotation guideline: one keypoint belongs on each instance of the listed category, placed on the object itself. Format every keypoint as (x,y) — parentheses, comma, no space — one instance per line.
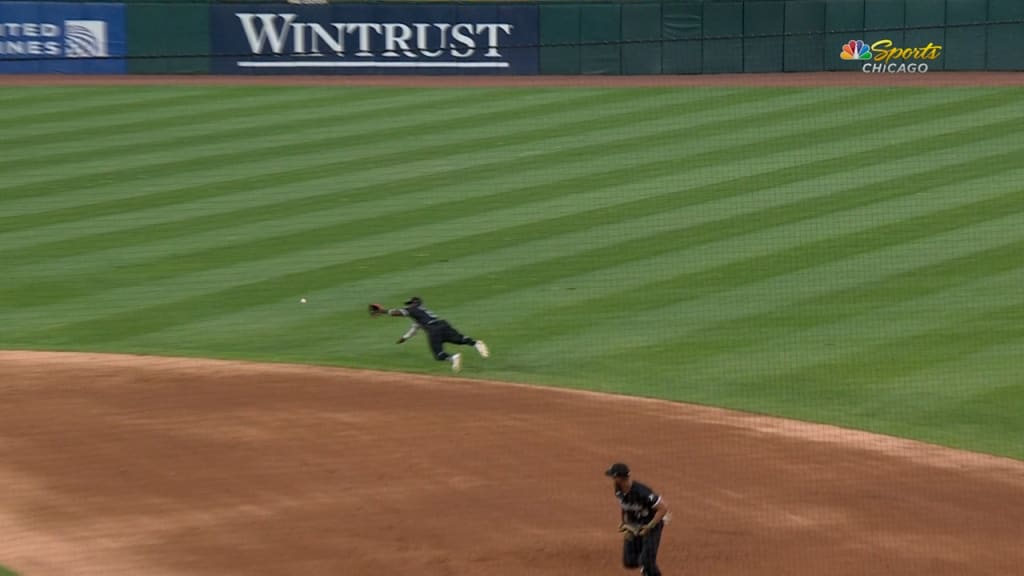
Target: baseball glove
(630,531)
(376,309)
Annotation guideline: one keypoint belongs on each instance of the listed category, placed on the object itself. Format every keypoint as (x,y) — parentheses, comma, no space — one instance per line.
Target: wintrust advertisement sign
(374,39)
(65,38)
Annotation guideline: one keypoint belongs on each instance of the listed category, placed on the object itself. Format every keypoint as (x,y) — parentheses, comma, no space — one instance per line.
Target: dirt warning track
(131,465)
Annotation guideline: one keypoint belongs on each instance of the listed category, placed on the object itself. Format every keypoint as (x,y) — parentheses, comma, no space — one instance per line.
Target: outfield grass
(836,255)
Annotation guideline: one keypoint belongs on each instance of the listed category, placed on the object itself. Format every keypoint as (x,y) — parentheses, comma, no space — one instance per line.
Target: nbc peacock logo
(855,50)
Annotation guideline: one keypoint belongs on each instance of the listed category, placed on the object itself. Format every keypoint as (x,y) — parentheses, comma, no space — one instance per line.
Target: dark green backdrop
(679,37)
(714,36)
(168,37)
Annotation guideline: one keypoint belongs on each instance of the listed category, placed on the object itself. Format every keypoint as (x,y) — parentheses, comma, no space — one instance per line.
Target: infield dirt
(135,465)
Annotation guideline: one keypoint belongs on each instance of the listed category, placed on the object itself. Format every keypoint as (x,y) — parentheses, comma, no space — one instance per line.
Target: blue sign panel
(374,39)
(62,38)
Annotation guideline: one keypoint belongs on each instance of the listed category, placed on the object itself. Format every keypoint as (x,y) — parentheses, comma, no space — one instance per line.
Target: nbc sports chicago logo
(884,58)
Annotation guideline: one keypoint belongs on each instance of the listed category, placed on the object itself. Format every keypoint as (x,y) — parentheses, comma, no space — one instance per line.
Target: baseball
(302,300)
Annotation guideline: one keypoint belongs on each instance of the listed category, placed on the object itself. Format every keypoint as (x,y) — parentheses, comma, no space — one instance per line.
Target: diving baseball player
(438,330)
(643,518)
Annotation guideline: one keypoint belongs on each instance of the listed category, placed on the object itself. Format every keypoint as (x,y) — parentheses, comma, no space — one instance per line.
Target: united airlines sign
(347,38)
(62,38)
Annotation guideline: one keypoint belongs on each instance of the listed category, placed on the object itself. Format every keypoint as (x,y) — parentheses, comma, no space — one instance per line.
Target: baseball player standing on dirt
(643,518)
(438,330)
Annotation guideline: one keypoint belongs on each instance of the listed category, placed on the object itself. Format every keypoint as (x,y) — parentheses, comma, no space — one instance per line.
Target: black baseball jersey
(638,503)
(420,315)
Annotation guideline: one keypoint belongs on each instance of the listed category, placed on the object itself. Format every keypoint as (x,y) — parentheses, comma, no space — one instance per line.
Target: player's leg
(453,336)
(437,338)
(649,552)
(456,337)
(631,550)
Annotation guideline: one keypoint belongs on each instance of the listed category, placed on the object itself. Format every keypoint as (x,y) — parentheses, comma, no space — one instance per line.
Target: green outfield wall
(168,37)
(719,36)
(631,37)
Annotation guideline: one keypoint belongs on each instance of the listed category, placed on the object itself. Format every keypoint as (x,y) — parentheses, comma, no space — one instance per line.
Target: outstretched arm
(409,333)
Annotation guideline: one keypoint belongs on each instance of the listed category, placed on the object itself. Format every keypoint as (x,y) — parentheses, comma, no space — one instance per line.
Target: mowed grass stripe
(88,126)
(973,401)
(853,372)
(638,247)
(362,114)
(296,174)
(883,356)
(337,216)
(285,119)
(688,285)
(981,372)
(371,126)
(206,256)
(109,106)
(885,278)
(266,290)
(487,289)
(368,191)
(99,173)
(696,265)
(257,150)
(280,211)
(190,124)
(821,252)
(966,254)
(726,323)
(374,190)
(40,102)
(858,343)
(935,331)
(40,96)
(684,370)
(363,135)
(52,99)
(299,116)
(694,286)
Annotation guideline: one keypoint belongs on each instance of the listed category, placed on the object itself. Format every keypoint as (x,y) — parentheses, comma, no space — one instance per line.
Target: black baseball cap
(413,300)
(617,470)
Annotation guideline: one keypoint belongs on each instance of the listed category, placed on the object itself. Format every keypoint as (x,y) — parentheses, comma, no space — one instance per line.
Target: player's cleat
(482,348)
(456,362)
